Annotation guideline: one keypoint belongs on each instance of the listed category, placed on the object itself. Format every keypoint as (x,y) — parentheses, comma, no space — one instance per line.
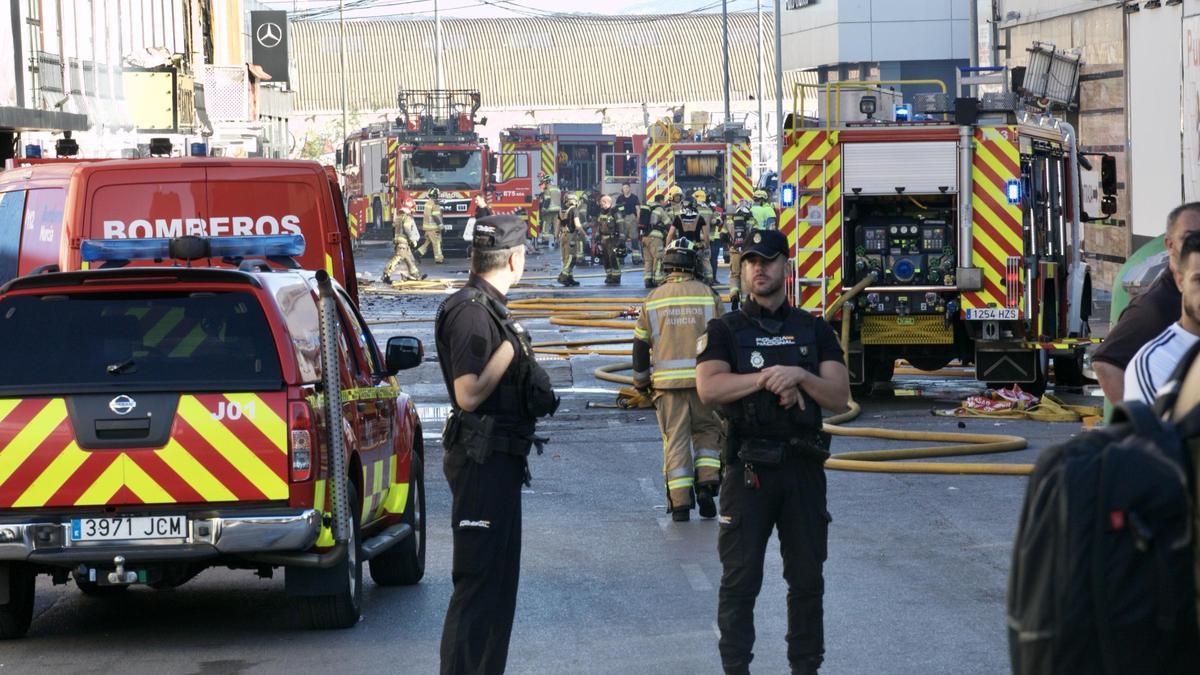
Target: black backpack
(1102,578)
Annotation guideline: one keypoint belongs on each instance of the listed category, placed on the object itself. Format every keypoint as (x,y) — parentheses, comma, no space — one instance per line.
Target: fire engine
(432,143)
(575,157)
(716,159)
(957,221)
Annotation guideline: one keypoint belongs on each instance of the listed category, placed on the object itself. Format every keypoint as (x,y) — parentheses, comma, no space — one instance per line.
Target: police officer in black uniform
(771,368)
(497,392)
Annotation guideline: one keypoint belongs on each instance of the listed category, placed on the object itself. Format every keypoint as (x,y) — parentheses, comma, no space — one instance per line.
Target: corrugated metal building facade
(536,62)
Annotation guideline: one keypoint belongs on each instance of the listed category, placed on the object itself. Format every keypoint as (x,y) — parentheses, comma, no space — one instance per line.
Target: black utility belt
(763,451)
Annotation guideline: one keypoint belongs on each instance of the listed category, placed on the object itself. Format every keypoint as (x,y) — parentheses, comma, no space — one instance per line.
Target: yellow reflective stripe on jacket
(677,374)
(680,483)
(681,300)
(640,333)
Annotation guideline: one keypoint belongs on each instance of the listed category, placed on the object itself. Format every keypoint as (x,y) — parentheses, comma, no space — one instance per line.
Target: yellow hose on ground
(872,461)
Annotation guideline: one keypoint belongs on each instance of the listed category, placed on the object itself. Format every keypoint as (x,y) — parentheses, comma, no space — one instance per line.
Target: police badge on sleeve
(701,344)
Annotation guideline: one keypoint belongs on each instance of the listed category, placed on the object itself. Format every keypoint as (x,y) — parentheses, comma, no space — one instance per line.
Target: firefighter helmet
(408,205)
(680,256)
(434,193)
(543,179)
(674,192)
(572,199)
(700,196)
(761,195)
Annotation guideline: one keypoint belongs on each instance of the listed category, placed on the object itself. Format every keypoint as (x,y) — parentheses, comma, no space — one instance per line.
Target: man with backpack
(1147,315)
(1153,364)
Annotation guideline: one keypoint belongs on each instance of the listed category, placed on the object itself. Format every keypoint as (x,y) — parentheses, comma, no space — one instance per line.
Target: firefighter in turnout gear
(403,240)
(737,230)
(673,317)
(652,226)
(771,369)
(431,225)
(764,213)
(569,232)
(551,206)
(497,392)
(689,225)
(610,231)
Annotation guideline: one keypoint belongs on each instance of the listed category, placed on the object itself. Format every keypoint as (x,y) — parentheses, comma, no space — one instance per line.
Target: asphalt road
(915,579)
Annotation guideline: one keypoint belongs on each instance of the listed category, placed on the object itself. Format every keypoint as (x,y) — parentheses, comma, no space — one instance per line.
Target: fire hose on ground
(606,313)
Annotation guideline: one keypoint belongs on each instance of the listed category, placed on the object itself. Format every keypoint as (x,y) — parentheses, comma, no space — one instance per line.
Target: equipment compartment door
(919,168)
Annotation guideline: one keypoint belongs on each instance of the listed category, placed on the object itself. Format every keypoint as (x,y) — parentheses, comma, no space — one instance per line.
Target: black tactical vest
(524,391)
(762,342)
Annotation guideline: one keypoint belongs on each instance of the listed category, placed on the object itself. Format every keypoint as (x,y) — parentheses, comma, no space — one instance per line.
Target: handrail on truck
(830,87)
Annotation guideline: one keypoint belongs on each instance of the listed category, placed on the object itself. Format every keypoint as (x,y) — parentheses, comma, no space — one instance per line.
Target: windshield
(109,342)
(443,169)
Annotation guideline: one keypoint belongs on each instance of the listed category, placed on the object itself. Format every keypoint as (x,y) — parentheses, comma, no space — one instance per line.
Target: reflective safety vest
(765,215)
(673,317)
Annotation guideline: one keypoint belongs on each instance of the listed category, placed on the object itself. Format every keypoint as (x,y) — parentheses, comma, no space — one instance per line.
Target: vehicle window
(270,207)
(136,342)
(148,210)
(361,335)
(43,228)
(443,169)
(12,208)
(303,320)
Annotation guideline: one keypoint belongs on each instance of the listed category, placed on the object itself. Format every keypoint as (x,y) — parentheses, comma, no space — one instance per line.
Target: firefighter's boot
(704,499)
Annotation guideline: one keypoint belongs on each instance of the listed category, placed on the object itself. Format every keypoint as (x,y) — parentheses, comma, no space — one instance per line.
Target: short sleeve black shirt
(628,204)
(719,344)
(469,334)
(1147,316)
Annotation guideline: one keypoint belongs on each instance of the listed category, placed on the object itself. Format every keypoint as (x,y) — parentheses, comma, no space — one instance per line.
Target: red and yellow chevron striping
(996,223)
(508,161)
(660,166)
(813,163)
(206,459)
(740,185)
(549,162)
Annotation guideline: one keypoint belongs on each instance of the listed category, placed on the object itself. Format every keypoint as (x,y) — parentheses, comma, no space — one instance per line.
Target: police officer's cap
(767,244)
(494,233)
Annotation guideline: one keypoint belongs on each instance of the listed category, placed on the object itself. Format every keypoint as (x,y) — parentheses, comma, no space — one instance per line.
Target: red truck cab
(48,208)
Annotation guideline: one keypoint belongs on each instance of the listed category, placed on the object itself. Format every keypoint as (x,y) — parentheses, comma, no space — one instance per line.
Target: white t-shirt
(1153,364)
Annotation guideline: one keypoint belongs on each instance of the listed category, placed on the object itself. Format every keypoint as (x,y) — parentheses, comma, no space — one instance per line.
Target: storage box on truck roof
(47,210)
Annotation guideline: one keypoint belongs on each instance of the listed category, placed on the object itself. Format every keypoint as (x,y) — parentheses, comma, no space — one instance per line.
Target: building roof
(536,62)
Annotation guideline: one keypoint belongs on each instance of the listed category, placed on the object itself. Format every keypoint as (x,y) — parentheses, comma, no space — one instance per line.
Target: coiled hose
(605,313)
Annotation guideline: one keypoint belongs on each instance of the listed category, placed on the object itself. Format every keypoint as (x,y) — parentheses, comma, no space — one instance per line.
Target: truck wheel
(16,615)
(342,607)
(1068,371)
(95,590)
(404,563)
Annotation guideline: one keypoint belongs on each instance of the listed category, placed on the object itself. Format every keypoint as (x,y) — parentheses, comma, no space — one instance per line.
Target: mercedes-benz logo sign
(269,35)
(122,405)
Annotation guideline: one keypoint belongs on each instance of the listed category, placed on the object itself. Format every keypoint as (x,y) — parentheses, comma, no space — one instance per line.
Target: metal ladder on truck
(807,217)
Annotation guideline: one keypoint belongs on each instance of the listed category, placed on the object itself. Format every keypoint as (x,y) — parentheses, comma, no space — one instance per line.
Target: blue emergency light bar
(787,195)
(259,246)
(1012,190)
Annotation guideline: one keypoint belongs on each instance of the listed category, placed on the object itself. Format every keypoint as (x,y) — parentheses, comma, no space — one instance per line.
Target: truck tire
(342,607)
(404,563)
(17,614)
(1068,371)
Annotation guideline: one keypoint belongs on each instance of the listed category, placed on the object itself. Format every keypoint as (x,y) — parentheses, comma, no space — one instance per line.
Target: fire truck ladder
(808,218)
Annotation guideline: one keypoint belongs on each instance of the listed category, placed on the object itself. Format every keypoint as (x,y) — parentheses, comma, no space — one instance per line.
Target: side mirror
(1108,175)
(383,170)
(494,167)
(337,156)
(403,353)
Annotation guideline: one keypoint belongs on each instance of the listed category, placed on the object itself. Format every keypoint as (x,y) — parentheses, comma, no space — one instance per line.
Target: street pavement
(915,581)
